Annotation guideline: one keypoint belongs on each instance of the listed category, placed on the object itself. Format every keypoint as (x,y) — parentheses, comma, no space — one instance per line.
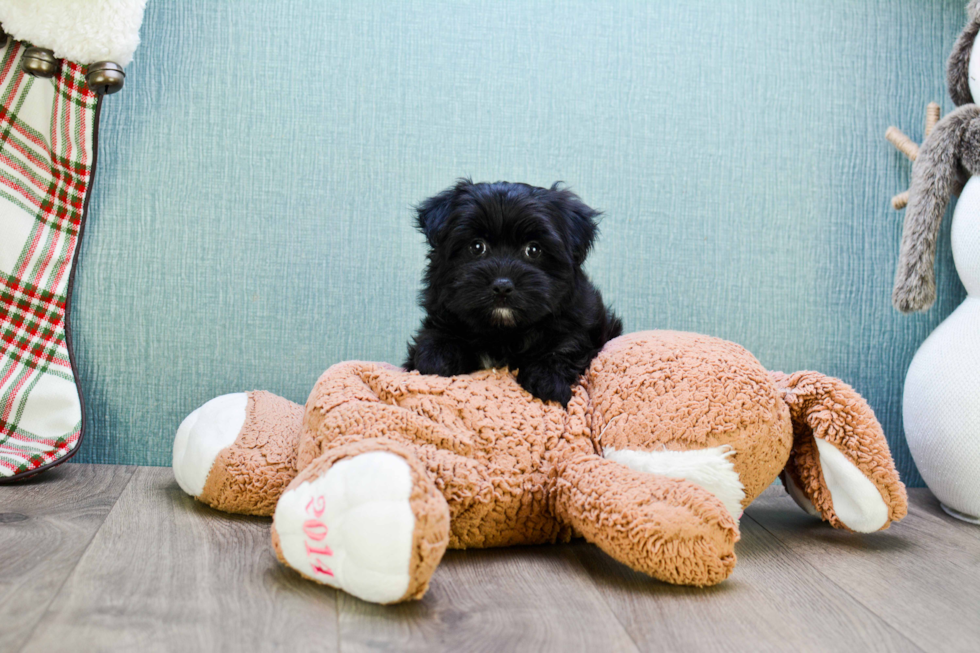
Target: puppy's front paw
(546,384)
(432,358)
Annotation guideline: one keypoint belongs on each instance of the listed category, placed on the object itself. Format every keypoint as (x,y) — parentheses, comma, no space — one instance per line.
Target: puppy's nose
(502,287)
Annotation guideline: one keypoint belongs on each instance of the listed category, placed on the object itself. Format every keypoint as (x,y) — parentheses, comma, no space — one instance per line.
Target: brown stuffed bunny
(667,438)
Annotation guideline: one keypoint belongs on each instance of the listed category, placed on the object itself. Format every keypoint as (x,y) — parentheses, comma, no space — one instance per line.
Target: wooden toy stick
(909,148)
(900,201)
(902,143)
(932,117)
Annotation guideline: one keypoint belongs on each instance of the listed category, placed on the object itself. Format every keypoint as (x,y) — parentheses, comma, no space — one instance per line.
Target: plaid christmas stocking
(47,158)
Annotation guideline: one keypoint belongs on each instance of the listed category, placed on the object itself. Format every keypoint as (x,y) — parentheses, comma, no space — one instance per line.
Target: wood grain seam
(573,555)
(609,607)
(54,595)
(885,622)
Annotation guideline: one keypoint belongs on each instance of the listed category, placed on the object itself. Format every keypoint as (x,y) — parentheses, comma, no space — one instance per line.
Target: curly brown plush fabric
(690,416)
(670,529)
(490,461)
(683,391)
(831,410)
(248,476)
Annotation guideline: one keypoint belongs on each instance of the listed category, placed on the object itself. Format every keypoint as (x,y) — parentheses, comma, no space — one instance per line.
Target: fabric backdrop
(252,225)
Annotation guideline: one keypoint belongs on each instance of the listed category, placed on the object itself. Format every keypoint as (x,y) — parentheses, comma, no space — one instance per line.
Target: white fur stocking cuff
(83,31)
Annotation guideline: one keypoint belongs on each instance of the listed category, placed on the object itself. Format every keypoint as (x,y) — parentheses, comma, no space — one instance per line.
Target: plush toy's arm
(359,399)
(668,528)
(840,467)
(934,174)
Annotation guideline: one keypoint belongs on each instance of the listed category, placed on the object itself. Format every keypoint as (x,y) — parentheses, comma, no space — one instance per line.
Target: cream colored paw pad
(352,527)
(201,437)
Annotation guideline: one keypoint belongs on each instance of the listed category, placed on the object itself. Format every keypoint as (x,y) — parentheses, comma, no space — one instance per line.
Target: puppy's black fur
(504,286)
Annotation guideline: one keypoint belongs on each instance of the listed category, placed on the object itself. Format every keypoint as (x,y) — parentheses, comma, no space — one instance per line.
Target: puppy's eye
(532,251)
(478,248)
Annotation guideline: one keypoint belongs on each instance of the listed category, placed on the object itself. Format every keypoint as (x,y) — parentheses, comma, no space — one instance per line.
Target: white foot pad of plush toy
(856,500)
(201,437)
(352,528)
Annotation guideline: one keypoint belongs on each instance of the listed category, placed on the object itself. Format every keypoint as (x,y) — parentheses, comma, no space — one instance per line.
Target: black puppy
(504,286)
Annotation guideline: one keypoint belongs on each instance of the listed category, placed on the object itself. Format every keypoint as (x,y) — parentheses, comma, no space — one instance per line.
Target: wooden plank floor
(111,558)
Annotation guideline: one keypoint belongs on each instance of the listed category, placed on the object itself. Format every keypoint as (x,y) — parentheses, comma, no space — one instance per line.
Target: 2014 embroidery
(316,530)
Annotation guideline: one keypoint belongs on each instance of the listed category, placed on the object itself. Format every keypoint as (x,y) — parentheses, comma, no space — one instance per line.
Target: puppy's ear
(579,222)
(433,213)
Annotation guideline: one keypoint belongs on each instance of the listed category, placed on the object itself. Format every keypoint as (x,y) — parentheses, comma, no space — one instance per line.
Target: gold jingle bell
(39,62)
(105,77)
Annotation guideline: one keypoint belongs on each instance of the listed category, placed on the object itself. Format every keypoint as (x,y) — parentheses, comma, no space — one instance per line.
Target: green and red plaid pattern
(47,155)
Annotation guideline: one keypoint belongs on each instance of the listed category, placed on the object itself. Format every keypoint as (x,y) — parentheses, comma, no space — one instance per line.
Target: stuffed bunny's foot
(668,528)
(201,437)
(840,468)
(372,524)
(237,452)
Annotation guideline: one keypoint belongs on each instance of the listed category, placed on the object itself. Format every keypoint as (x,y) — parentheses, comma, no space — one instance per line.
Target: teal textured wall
(251,221)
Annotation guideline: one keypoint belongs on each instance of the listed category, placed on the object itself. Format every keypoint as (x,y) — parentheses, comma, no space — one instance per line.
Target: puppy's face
(504,255)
